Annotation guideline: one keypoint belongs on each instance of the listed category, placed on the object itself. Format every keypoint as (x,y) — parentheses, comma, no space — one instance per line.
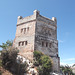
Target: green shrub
(43,63)
(9,57)
(67,69)
(46,63)
(7,44)
(40,70)
(21,68)
(37,54)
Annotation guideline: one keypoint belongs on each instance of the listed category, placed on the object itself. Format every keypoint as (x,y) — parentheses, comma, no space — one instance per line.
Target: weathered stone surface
(36,32)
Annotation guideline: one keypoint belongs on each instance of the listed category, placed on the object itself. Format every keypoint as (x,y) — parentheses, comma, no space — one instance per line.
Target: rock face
(31,70)
(37,32)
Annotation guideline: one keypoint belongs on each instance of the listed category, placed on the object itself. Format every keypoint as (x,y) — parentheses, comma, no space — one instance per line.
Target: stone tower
(37,32)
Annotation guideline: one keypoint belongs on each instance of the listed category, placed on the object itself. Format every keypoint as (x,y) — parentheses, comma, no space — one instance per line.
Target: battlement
(36,16)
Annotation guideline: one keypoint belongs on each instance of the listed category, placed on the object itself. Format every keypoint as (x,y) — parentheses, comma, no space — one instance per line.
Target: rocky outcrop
(31,69)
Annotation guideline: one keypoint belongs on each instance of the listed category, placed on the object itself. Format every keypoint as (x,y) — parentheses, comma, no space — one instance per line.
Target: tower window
(50,45)
(42,44)
(21,30)
(19,43)
(25,42)
(24,30)
(46,44)
(22,43)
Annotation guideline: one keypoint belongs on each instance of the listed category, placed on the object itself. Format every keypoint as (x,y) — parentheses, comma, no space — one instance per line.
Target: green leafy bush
(37,54)
(7,44)
(22,68)
(46,63)
(8,59)
(43,63)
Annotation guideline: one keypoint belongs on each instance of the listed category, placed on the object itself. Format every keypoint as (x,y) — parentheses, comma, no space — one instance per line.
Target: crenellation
(36,13)
(54,19)
(26,20)
(47,20)
(19,17)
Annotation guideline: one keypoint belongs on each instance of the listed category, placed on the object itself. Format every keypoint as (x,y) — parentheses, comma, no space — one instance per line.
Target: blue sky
(63,10)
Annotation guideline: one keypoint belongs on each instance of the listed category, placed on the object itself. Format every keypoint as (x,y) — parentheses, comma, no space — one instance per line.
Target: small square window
(42,44)
(19,43)
(24,30)
(50,45)
(46,44)
(25,42)
(22,43)
(21,30)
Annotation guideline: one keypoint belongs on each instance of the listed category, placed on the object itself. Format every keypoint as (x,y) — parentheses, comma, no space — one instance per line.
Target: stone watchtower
(37,32)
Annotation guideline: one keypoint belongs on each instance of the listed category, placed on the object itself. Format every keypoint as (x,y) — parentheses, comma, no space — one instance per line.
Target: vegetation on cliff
(8,59)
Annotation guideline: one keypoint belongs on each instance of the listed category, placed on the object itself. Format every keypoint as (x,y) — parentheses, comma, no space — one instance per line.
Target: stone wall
(46,39)
(24,39)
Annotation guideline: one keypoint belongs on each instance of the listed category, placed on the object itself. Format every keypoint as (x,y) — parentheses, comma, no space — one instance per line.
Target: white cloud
(64,64)
(70,59)
(61,63)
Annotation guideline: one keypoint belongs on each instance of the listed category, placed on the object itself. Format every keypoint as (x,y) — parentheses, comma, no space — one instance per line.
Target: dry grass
(5,72)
